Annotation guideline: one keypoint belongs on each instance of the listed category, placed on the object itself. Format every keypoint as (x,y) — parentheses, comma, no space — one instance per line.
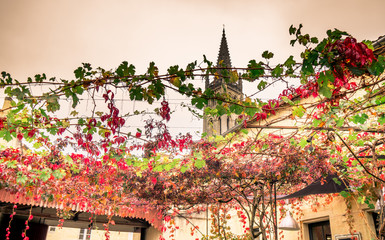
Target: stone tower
(220,125)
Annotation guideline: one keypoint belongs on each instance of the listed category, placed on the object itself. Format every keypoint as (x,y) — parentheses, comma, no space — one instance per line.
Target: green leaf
(136,93)
(45,174)
(78,90)
(380,100)
(316,122)
(352,136)
(234,108)
(287,100)
(314,40)
(52,102)
(125,70)
(21,179)
(59,173)
(267,55)
(360,118)
(369,44)
(292,30)
(200,163)
(298,111)
(12,164)
(336,34)
(184,168)
(251,111)
(151,69)
(325,91)
(18,109)
(37,145)
(6,135)
(337,181)
(255,69)
(168,167)
(370,205)
(377,67)
(339,122)
(289,62)
(75,100)
(40,78)
(303,142)
(356,71)
(244,131)
(261,85)
(199,102)
(158,168)
(345,194)
(79,73)
(309,60)
(221,110)
(323,81)
(277,71)
(19,93)
(361,143)
(381,119)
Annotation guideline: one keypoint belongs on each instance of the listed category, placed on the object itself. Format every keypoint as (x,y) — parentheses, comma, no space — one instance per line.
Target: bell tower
(220,125)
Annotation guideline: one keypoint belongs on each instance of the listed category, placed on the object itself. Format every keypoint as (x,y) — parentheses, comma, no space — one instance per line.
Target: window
(52,229)
(320,231)
(228,123)
(356,236)
(211,122)
(85,234)
(376,221)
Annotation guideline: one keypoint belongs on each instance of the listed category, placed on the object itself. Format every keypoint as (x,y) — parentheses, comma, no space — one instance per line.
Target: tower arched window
(211,122)
(220,125)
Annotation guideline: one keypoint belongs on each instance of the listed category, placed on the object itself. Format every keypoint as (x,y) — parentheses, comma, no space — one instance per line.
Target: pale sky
(55,37)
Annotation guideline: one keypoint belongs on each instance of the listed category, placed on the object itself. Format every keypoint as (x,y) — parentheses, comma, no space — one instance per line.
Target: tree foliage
(93,159)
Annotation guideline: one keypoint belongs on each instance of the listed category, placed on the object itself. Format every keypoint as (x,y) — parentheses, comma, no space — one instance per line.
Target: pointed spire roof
(224,57)
(224,54)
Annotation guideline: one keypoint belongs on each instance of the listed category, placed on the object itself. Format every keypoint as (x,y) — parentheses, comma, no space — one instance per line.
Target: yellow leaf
(66,123)
(234,76)
(351,131)
(74,113)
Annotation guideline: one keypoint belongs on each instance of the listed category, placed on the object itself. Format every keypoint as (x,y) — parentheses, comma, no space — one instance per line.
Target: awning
(151,215)
(331,184)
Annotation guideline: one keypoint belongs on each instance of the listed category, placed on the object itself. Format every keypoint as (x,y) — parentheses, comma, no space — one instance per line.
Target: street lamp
(289,223)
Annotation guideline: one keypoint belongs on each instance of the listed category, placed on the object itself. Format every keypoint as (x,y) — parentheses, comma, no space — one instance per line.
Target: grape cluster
(164,112)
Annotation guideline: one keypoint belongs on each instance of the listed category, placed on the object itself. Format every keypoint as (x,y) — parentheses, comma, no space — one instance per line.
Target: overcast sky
(55,37)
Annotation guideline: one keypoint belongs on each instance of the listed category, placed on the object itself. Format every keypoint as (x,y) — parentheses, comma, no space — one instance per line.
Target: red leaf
(153,180)
(19,136)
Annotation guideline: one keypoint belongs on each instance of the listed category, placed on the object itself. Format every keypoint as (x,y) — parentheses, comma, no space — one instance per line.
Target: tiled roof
(379,46)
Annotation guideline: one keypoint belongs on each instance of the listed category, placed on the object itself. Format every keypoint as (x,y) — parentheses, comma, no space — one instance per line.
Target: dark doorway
(320,231)
(36,231)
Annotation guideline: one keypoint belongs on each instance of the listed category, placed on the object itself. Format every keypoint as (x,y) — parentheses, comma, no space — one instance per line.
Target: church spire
(224,54)
(223,61)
